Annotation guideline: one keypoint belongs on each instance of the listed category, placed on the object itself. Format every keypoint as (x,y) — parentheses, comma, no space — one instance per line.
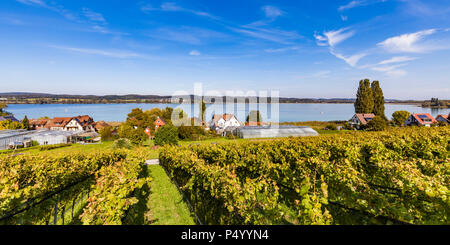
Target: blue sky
(314,49)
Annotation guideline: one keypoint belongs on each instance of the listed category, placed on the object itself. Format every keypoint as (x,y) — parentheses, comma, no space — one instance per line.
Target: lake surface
(286,112)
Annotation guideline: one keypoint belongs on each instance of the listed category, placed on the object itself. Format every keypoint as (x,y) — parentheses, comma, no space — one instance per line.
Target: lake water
(287,112)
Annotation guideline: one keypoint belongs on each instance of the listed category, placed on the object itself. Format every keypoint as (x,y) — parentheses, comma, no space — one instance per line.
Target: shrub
(190,132)
(441,124)
(166,135)
(399,117)
(106,133)
(376,124)
(122,144)
(331,127)
(136,135)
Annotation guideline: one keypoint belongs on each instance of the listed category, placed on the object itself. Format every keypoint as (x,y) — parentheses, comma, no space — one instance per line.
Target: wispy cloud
(358,3)
(390,66)
(195,53)
(350,60)
(32,2)
(391,70)
(107,53)
(397,59)
(173,7)
(94,17)
(280,50)
(410,43)
(52,6)
(272,11)
(333,38)
(187,34)
(269,34)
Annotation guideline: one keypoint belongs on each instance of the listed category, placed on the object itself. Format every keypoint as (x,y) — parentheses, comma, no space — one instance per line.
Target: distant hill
(46,98)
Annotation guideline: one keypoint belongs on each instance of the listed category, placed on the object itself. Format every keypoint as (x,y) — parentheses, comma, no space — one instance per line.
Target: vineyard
(400,176)
(47,189)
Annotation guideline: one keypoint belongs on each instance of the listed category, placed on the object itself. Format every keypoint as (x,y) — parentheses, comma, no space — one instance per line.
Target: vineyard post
(56,212)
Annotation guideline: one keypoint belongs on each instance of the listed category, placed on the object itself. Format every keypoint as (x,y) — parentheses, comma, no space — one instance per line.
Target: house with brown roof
(100,125)
(220,122)
(36,124)
(360,119)
(58,123)
(159,122)
(420,119)
(80,123)
(443,118)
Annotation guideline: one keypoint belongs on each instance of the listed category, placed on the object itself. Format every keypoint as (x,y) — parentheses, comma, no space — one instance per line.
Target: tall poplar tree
(378,98)
(364,98)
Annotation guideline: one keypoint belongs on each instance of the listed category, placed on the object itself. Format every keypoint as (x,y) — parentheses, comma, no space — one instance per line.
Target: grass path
(165,203)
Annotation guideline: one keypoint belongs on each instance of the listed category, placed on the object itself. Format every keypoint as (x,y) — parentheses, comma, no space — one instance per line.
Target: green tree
(136,136)
(106,133)
(254,116)
(364,98)
(2,107)
(399,117)
(190,132)
(26,123)
(166,135)
(167,115)
(8,124)
(378,99)
(376,124)
(202,115)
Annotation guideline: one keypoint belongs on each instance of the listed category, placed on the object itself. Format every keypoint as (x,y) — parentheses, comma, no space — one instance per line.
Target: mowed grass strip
(166,204)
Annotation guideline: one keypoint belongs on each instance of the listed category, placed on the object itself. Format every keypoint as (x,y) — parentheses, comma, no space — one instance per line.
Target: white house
(420,119)
(443,118)
(361,119)
(80,123)
(220,122)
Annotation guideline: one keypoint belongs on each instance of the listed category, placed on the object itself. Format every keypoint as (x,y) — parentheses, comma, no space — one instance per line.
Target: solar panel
(423,116)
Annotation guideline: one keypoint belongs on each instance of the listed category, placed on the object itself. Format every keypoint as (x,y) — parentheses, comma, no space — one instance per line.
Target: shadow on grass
(138,214)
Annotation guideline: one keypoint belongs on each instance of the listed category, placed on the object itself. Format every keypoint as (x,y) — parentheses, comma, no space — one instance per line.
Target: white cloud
(344,18)
(194,53)
(350,60)
(391,70)
(272,12)
(93,16)
(407,42)
(173,7)
(280,50)
(108,53)
(332,38)
(397,59)
(32,2)
(186,34)
(359,3)
(270,34)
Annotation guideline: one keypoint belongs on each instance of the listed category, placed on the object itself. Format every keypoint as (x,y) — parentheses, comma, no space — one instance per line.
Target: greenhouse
(49,137)
(43,137)
(274,132)
(8,137)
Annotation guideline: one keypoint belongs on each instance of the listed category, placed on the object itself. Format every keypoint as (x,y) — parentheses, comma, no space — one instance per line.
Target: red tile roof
(39,122)
(59,122)
(362,117)
(417,117)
